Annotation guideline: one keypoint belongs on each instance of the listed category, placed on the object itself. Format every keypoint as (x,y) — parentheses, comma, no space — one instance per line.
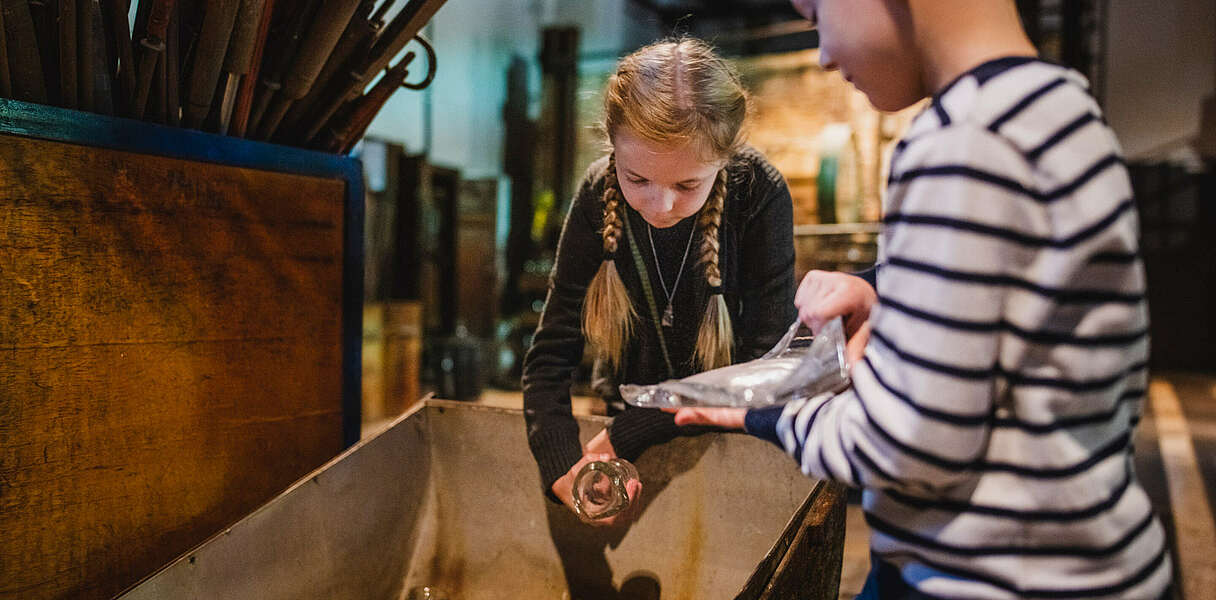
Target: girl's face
(665,184)
(869,42)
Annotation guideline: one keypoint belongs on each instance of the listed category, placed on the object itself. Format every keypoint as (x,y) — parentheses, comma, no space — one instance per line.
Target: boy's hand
(823,296)
(726,418)
(855,349)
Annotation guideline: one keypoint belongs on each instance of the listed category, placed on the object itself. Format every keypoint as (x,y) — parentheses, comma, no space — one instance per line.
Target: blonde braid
(612,212)
(716,336)
(608,314)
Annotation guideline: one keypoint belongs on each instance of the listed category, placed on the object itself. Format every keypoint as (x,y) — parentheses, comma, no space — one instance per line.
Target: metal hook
(430,66)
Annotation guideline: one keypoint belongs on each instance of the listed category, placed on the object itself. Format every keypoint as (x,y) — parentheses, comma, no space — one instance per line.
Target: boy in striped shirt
(999,368)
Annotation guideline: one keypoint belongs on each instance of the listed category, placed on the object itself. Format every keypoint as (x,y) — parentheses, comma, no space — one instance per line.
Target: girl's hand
(726,418)
(599,448)
(600,444)
(823,296)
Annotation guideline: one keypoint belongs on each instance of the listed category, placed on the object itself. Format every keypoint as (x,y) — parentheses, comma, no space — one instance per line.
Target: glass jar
(601,488)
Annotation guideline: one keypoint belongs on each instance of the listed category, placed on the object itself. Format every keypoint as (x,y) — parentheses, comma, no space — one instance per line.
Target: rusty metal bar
(173,69)
(364,110)
(400,31)
(119,28)
(275,65)
(151,52)
(6,82)
(103,81)
(67,53)
(239,57)
(323,35)
(218,19)
(25,65)
(85,51)
(359,36)
(244,97)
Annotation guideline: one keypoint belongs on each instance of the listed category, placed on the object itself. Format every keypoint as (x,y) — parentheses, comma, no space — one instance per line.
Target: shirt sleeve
(919,412)
(557,345)
(870,275)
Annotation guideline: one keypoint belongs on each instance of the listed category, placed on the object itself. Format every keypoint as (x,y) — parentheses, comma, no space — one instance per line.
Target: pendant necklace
(669,315)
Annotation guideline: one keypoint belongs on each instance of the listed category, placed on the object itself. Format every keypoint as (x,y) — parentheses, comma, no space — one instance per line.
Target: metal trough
(448,496)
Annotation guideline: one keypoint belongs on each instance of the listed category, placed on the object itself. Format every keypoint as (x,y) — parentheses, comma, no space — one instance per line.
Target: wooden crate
(179,320)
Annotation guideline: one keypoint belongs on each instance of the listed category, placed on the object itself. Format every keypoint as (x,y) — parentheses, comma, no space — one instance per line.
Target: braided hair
(608,314)
(715,338)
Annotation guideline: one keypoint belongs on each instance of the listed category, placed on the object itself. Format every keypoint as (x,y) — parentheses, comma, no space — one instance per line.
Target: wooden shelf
(837,229)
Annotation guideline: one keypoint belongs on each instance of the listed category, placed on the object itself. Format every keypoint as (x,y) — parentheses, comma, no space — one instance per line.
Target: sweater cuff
(637,429)
(762,423)
(555,451)
(870,275)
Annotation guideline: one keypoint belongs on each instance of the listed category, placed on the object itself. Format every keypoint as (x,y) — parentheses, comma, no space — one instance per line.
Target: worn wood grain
(171,343)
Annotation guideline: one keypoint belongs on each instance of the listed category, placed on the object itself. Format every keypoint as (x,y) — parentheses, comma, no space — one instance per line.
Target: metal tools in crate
(290,72)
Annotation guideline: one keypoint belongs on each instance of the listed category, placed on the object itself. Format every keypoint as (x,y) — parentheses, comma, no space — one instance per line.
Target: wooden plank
(57,124)
(173,357)
(1195,529)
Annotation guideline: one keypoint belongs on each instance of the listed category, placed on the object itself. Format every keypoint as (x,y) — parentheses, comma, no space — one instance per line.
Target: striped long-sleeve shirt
(990,421)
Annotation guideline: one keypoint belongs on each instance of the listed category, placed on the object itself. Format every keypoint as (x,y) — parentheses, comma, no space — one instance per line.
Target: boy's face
(870,43)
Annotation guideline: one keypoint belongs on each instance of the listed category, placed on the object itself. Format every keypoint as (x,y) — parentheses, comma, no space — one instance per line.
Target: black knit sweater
(756,258)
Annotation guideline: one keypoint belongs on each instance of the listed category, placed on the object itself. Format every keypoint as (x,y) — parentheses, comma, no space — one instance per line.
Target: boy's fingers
(809,287)
(803,291)
(839,302)
(809,317)
(685,416)
(729,418)
(695,416)
(813,317)
(692,416)
(855,350)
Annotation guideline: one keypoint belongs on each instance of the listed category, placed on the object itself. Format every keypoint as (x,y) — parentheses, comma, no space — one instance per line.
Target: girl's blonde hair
(673,92)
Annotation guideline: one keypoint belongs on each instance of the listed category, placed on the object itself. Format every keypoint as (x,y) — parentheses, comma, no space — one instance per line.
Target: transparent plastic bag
(797,367)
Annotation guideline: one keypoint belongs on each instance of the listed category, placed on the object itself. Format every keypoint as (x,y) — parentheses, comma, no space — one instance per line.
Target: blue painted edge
(128,135)
(352,305)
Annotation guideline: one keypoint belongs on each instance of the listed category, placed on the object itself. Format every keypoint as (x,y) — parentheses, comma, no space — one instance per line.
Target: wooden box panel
(172,340)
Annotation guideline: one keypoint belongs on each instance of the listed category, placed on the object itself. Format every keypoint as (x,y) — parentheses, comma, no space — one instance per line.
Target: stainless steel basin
(449,497)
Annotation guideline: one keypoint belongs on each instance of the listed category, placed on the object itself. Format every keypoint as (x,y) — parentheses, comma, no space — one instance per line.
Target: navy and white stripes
(990,421)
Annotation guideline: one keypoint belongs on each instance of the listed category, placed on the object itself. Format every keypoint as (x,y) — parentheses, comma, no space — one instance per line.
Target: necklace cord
(659,268)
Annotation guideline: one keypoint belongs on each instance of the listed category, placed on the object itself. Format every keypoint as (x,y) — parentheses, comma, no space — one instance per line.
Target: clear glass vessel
(601,488)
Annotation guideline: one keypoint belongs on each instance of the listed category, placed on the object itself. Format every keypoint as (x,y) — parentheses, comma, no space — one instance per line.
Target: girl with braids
(676,256)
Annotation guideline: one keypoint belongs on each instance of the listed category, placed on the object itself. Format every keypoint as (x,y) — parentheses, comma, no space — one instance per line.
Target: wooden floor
(1175,461)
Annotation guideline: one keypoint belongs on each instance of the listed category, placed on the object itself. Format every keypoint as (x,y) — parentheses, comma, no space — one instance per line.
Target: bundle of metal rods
(292,72)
